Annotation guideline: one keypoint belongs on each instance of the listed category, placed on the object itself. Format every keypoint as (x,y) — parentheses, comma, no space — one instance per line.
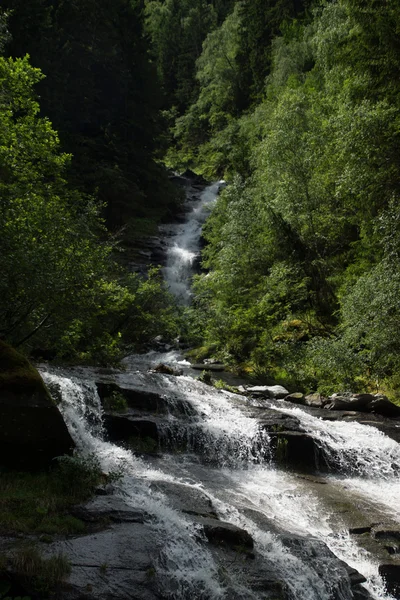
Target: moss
(17,374)
(281,450)
(220,384)
(142,445)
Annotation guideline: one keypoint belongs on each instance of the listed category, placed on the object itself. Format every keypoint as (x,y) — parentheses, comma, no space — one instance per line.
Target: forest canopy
(294,102)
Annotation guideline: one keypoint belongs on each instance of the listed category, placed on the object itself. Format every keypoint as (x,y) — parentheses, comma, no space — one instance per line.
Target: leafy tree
(58,285)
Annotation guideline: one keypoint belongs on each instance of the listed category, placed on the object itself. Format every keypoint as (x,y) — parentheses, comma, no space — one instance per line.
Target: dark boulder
(390,572)
(226,534)
(297,449)
(369,403)
(125,428)
(382,406)
(32,430)
(357,402)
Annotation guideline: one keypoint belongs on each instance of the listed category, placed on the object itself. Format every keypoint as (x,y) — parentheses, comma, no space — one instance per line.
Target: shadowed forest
(294,103)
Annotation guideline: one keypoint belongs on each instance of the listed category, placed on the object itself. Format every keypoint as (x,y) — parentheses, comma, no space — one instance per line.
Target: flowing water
(214,446)
(185,245)
(243,486)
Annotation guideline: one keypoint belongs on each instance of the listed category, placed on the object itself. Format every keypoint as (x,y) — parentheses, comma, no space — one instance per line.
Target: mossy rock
(32,430)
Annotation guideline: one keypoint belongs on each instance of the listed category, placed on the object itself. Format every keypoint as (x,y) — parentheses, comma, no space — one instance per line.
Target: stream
(215,459)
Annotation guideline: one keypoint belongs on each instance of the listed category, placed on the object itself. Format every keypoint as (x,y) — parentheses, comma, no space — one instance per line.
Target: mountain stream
(212,447)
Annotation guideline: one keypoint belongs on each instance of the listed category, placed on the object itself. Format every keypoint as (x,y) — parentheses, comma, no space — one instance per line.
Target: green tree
(58,285)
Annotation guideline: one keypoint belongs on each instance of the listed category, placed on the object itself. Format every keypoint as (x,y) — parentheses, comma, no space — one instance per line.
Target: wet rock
(167,369)
(109,508)
(126,428)
(388,536)
(391,574)
(221,534)
(382,406)
(386,532)
(32,430)
(298,450)
(360,530)
(114,564)
(189,500)
(142,400)
(273,421)
(318,556)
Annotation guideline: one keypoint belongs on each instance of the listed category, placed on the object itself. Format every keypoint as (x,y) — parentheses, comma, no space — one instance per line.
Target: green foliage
(220,384)
(59,286)
(205,377)
(115,401)
(302,255)
(40,574)
(39,502)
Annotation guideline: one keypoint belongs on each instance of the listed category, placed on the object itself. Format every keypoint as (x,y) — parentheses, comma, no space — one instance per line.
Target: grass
(39,503)
(38,573)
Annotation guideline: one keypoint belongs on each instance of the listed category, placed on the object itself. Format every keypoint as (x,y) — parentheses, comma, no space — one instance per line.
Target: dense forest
(294,102)
(80,134)
(296,105)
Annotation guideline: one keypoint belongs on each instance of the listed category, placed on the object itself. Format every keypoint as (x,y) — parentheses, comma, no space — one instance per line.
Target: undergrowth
(40,502)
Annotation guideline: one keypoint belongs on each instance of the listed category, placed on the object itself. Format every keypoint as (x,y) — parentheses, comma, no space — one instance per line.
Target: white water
(184,565)
(241,480)
(358,449)
(185,246)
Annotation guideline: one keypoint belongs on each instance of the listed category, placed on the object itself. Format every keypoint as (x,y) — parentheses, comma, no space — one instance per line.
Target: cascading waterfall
(222,433)
(185,246)
(234,472)
(185,567)
(354,448)
(299,510)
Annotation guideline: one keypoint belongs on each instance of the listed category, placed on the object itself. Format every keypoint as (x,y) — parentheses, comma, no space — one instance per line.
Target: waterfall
(357,449)
(184,247)
(243,490)
(186,568)
(214,445)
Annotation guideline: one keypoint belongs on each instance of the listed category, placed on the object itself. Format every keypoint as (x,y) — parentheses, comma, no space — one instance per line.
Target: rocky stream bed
(256,495)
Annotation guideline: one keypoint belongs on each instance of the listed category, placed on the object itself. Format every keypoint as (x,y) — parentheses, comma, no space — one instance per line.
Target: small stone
(296,398)
(270,391)
(314,400)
